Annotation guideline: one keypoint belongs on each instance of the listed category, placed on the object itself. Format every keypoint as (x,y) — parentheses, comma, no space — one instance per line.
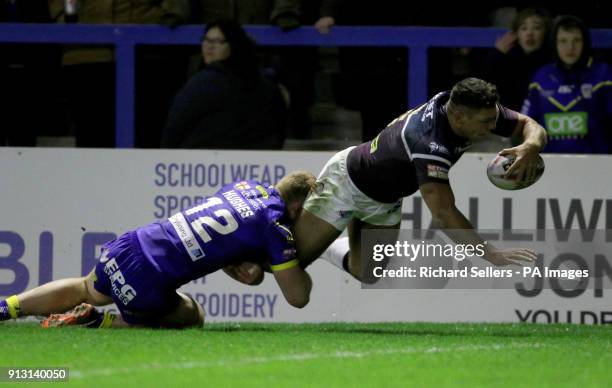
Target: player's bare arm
(295,283)
(440,200)
(534,139)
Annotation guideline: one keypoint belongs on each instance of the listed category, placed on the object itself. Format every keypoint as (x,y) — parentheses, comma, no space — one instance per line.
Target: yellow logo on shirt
(264,192)
(374,145)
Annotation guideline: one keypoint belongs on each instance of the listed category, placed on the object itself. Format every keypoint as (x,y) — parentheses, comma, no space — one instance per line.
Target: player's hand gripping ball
(247,272)
(496,171)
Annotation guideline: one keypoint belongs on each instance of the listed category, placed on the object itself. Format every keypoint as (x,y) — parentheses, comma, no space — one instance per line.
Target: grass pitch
(321,355)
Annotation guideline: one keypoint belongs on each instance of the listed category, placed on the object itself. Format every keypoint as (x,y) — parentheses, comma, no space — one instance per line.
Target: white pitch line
(79,374)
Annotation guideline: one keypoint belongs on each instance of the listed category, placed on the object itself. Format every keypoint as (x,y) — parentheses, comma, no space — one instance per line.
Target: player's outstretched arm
(295,283)
(532,133)
(440,199)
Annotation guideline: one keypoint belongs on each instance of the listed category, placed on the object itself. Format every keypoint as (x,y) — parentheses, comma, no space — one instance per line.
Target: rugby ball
(500,164)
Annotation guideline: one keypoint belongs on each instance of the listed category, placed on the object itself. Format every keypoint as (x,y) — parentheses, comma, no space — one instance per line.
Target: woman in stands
(229,104)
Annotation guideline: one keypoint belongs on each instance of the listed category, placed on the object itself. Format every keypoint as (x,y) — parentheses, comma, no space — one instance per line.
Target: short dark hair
(570,22)
(474,93)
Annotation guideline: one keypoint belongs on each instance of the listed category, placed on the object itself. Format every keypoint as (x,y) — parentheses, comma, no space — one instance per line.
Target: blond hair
(295,186)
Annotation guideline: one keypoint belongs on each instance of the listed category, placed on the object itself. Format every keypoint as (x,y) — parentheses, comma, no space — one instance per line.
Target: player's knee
(200,315)
(194,322)
(195,315)
(197,319)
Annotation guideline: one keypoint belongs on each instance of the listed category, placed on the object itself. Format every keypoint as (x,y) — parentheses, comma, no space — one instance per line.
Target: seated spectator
(291,66)
(572,98)
(228,104)
(517,56)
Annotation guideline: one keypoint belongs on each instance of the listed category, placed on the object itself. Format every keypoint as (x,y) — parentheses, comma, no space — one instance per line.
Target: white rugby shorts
(337,199)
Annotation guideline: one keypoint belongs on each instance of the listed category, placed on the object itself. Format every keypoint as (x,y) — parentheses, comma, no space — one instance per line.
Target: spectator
(572,98)
(517,56)
(290,66)
(228,104)
(89,72)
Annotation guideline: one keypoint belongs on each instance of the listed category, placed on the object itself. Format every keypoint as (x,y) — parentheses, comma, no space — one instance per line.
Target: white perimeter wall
(58,205)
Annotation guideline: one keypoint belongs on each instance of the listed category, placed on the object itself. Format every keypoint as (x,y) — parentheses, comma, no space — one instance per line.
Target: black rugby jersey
(416,148)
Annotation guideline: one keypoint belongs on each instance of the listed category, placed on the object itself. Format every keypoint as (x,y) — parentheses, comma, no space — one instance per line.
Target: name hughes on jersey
(167,205)
(238,203)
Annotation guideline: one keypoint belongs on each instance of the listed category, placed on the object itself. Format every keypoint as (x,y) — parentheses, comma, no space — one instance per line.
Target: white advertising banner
(58,206)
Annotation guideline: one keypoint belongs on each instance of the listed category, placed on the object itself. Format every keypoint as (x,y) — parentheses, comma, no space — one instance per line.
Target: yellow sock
(13,306)
(107,321)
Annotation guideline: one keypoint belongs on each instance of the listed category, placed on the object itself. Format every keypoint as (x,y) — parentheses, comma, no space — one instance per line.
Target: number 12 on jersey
(230,223)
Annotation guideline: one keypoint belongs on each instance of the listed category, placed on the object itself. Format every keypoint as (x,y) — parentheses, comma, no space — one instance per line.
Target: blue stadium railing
(126,37)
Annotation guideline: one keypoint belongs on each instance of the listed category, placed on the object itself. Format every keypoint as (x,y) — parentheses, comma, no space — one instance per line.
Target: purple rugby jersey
(239,222)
